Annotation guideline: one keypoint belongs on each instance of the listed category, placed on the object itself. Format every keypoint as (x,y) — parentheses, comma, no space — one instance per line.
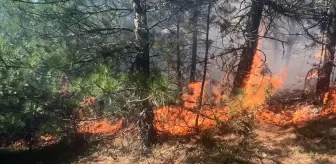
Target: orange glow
(181,120)
(100,127)
(313,74)
(325,98)
(299,116)
(283,118)
(260,84)
(191,99)
(320,54)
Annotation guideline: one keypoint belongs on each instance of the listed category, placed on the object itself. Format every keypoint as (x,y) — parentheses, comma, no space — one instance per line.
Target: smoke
(289,52)
(292,53)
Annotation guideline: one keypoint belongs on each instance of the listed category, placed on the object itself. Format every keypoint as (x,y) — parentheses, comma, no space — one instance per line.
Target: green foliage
(120,91)
(98,84)
(160,91)
(28,87)
(51,58)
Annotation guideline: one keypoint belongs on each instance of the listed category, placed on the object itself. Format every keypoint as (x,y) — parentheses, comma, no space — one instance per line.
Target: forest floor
(241,140)
(308,143)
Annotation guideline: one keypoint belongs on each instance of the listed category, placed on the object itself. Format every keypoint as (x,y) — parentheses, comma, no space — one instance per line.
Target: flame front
(181,121)
(175,120)
(100,127)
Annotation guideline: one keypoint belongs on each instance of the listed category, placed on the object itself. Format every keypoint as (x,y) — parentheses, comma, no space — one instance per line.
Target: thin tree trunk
(290,43)
(178,56)
(200,103)
(246,59)
(141,33)
(194,43)
(288,54)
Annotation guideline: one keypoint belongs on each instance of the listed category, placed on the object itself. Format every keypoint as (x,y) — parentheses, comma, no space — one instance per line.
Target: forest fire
(100,127)
(320,54)
(250,81)
(261,83)
(259,87)
(180,120)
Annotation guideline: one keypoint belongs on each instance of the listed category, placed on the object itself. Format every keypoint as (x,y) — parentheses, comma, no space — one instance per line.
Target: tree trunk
(194,43)
(200,103)
(142,66)
(323,81)
(178,56)
(246,59)
(290,43)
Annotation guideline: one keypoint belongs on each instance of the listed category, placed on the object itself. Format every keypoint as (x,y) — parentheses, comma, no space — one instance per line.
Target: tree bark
(246,59)
(194,42)
(178,56)
(323,80)
(147,130)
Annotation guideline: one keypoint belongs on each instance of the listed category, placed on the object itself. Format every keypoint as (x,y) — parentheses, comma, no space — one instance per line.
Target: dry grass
(233,143)
(238,141)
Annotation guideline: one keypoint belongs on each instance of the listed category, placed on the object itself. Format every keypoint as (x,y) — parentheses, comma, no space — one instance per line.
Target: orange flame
(191,99)
(299,116)
(100,127)
(325,98)
(181,120)
(313,74)
(260,83)
(320,54)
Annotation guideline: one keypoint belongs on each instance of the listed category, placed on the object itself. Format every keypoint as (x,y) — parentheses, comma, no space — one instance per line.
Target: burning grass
(180,120)
(100,127)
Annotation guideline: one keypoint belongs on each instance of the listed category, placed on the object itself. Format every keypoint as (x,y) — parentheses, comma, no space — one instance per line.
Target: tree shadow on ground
(65,151)
(316,136)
